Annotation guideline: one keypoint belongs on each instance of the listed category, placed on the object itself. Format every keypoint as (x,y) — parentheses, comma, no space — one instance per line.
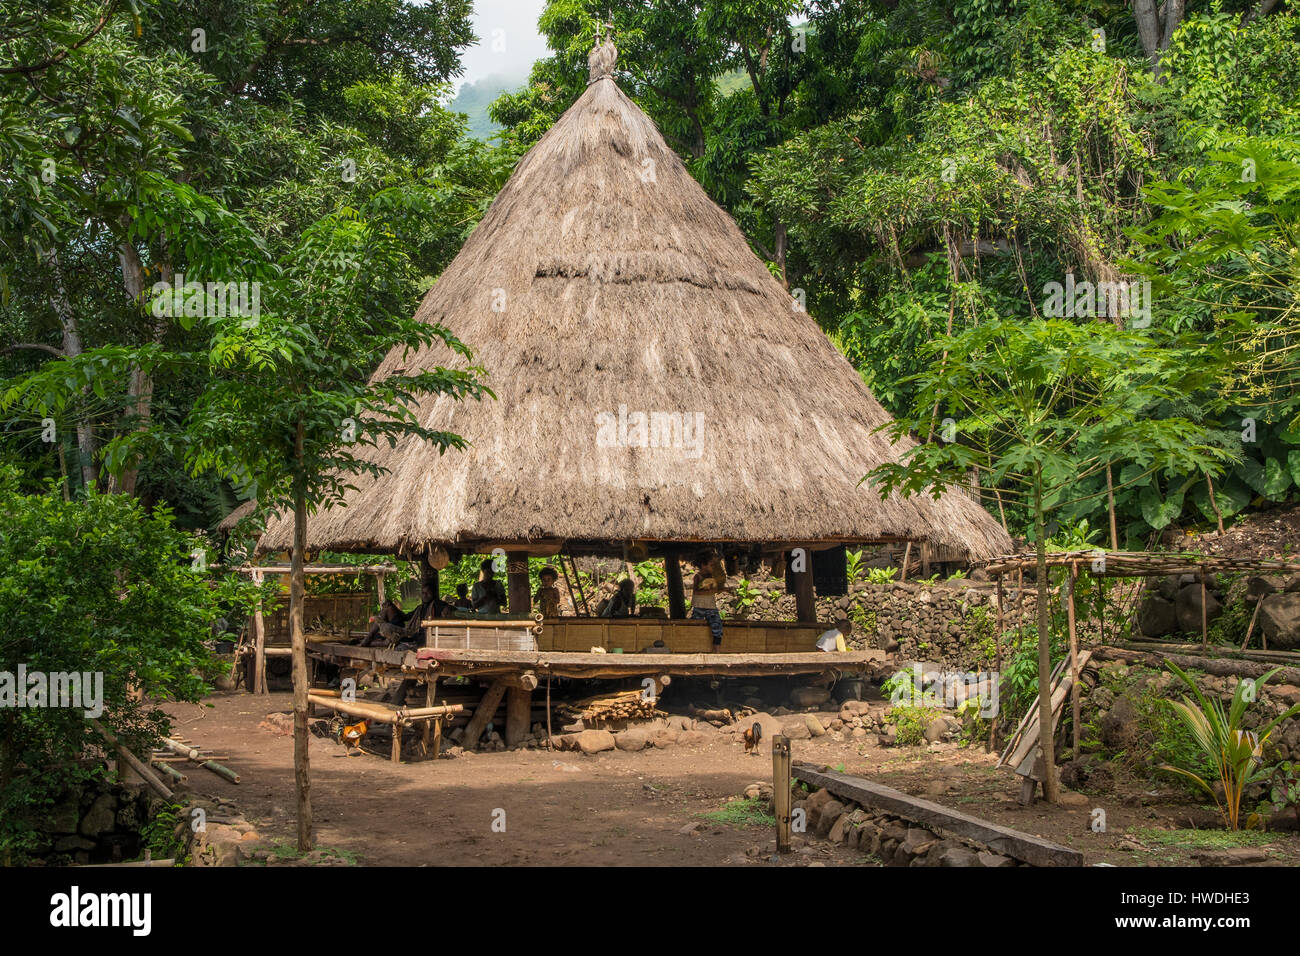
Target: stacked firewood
(624,705)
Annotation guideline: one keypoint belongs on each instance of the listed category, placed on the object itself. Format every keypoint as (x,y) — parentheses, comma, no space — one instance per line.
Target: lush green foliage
(96,586)
(1236,754)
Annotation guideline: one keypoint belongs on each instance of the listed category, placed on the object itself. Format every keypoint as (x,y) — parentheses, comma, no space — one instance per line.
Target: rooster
(352,735)
(752,737)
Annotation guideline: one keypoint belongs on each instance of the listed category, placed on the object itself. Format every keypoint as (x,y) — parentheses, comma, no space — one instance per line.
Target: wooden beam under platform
(450,662)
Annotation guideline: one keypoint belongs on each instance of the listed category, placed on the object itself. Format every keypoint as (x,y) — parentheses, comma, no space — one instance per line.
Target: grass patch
(742,813)
(1204,839)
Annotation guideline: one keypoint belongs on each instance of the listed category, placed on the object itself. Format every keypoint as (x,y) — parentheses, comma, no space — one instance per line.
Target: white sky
(513,49)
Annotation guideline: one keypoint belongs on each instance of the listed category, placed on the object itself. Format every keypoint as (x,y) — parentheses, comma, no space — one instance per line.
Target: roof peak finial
(603,56)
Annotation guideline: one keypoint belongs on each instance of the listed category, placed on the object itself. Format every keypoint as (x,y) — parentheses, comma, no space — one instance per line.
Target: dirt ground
(618,808)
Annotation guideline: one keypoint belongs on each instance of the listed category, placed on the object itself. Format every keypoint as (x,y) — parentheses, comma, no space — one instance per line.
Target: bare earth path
(615,808)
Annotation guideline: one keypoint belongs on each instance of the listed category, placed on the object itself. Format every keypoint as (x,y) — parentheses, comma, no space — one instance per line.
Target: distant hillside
(474,98)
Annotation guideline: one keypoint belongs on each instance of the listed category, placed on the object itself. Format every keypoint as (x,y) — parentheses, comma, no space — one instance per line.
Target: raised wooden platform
(432,662)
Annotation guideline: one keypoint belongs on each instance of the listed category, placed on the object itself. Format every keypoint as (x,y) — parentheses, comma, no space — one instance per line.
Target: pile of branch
(624,705)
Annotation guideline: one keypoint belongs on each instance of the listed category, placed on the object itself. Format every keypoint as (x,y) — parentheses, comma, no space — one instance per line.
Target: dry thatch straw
(603,277)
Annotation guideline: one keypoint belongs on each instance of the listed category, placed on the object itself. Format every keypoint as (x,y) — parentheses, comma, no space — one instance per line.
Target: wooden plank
(1000,839)
(519,706)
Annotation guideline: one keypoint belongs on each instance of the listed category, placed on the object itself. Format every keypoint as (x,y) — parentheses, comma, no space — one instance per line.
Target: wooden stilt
(397,741)
(907,557)
(519,708)
(483,713)
(1205,613)
(548,711)
(430,693)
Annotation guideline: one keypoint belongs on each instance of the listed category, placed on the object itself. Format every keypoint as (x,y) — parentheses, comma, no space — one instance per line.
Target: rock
(796,730)
(1188,607)
(680,723)
(72,842)
(838,829)
(986,858)
(958,856)
(1237,856)
(854,708)
(888,736)
(809,696)
(592,741)
(1119,728)
(1071,799)
(1279,616)
(664,738)
(1157,617)
(827,817)
(632,740)
(690,738)
(936,730)
(690,829)
(63,818)
(814,726)
(100,817)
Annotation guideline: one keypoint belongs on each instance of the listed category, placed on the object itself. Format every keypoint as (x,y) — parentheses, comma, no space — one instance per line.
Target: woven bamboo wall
(679,637)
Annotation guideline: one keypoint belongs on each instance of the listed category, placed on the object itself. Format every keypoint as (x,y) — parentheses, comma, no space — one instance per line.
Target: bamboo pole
(175,775)
(259,646)
(1205,613)
(781,791)
(207,763)
(1075,702)
(997,650)
(133,761)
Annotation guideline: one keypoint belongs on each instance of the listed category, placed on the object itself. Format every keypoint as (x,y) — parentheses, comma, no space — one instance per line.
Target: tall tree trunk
(72,347)
(1051,790)
(1156,28)
(140,390)
(298,640)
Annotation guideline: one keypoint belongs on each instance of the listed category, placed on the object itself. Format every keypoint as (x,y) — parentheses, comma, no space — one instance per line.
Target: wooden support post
(379,589)
(483,713)
(907,557)
(1075,702)
(676,589)
(997,671)
(520,596)
(925,560)
(397,740)
(1205,612)
(259,646)
(805,599)
(1110,506)
(430,693)
(781,791)
(548,710)
(519,708)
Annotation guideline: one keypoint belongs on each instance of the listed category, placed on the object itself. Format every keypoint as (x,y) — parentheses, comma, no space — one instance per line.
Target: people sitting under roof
(462,602)
(547,598)
(622,603)
(397,629)
(710,578)
(488,595)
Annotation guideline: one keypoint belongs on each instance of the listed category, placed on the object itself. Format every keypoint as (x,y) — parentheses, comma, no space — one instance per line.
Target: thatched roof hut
(655,383)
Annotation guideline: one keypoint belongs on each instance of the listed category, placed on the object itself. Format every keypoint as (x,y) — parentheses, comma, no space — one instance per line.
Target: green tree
(1039,406)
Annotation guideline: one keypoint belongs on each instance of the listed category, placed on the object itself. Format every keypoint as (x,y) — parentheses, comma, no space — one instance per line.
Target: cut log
(486,708)
(1215,666)
(133,761)
(1000,839)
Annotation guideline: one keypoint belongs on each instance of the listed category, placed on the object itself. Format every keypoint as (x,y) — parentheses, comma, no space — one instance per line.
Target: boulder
(679,723)
(827,816)
(1188,608)
(958,856)
(1156,616)
(839,829)
(986,858)
(632,740)
(100,817)
(809,696)
(1279,616)
(815,727)
(771,725)
(1119,728)
(664,737)
(796,729)
(935,730)
(593,741)
(690,738)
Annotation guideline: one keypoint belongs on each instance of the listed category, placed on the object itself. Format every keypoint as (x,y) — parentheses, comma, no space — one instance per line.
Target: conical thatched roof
(604,278)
